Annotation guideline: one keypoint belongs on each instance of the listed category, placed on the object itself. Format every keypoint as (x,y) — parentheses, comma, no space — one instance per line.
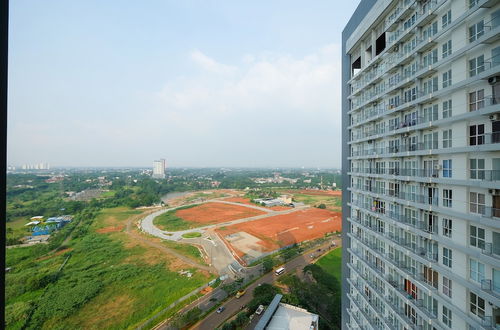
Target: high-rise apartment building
(159,169)
(421,160)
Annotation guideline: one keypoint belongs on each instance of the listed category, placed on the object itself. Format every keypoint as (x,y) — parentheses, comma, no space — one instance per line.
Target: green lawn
(202,194)
(170,222)
(331,263)
(188,250)
(193,234)
(331,202)
(110,281)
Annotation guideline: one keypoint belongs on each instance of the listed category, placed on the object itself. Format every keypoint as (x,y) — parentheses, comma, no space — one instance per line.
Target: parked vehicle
(240,293)
(279,271)
(259,310)
(220,309)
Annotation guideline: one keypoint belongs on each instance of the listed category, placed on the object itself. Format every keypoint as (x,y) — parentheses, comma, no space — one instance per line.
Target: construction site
(233,232)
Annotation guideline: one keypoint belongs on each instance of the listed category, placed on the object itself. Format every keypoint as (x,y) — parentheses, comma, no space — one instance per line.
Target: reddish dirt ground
(216,213)
(247,201)
(241,200)
(111,229)
(286,229)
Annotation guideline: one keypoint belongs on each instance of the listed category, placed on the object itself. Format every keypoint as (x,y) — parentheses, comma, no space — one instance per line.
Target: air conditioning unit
(438,167)
(493,80)
(396,48)
(494,191)
(495,116)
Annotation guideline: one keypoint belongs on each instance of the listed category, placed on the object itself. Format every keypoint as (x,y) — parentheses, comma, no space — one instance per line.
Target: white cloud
(271,109)
(270,99)
(209,64)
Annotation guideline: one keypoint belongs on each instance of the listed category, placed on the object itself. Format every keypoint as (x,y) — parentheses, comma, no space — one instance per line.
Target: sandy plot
(283,230)
(243,241)
(216,213)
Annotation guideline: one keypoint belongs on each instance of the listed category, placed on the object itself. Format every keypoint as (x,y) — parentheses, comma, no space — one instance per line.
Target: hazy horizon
(113,84)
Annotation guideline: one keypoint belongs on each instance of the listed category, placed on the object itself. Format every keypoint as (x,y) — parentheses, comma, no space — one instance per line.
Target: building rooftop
(280,316)
(293,318)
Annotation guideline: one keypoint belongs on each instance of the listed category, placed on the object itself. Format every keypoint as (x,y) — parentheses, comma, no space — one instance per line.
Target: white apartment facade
(421,159)
(159,169)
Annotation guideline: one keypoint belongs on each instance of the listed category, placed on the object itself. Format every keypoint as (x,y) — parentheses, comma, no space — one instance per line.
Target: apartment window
(472,3)
(477,237)
(447,257)
(476,65)
(411,94)
(446,19)
(477,203)
(476,270)
(447,197)
(476,31)
(476,135)
(447,227)
(430,58)
(446,49)
(431,85)
(476,305)
(410,21)
(447,317)
(447,136)
(476,169)
(447,286)
(447,109)
(431,113)
(447,171)
(476,100)
(447,78)
(430,30)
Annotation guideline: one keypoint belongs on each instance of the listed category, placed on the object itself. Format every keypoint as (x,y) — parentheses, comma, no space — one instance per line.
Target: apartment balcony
(489,212)
(364,311)
(491,250)
(356,319)
(410,197)
(490,288)
(487,138)
(368,300)
(430,285)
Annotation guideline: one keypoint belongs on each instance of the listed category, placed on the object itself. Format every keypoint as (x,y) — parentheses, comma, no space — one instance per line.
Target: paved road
(148,226)
(163,248)
(219,255)
(233,306)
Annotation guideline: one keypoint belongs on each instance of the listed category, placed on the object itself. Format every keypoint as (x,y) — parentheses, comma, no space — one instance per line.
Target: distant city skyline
(237,84)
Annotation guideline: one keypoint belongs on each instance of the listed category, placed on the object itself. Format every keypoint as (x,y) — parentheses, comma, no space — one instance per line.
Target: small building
(280,316)
(40,227)
(269,202)
(286,199)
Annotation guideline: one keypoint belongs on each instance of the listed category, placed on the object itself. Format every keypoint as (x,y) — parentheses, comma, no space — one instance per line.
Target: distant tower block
(159,169)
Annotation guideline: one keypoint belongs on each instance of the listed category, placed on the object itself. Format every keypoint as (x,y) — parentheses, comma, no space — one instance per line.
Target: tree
(268,264)
(321,206)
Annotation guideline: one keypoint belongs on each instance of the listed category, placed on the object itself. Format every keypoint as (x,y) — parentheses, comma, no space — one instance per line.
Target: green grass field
(332,202)
(203,195)
(170,222)
(193,234)
(109,281)
(188,250)
(331,263)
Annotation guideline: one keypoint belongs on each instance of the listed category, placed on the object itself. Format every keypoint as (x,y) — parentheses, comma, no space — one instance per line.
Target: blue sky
(200,83)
